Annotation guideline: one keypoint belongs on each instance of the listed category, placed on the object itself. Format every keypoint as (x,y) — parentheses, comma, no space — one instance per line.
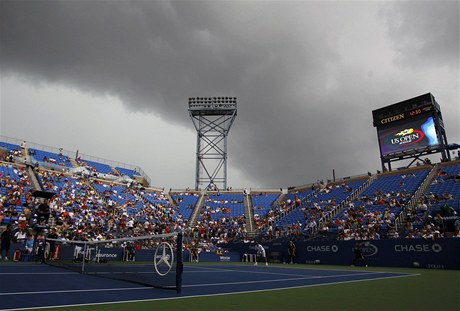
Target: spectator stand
(319,205)
(265,206)
(403,219)
(15,193)
(50,160)
(97,169)
(439,207)
(263,202)
(148,210)
(186,202)
(222,217)
(126,171)
(75,203)
(9,147)
(294,200)
(372,214)
(11,153)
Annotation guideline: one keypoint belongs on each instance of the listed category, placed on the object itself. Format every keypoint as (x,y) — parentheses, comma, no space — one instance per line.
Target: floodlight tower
(212,118)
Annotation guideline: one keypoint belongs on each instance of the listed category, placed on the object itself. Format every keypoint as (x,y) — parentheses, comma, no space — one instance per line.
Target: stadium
(274,155)
(90,217)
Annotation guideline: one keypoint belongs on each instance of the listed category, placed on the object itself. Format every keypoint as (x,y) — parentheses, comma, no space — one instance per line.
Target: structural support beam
(212,118)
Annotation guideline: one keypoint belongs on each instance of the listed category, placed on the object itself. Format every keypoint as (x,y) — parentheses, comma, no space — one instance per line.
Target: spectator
(291,252)
(43,211)
(29,244)
(447,211)
(6,241)
(457,225)
(358,254)
(52,235)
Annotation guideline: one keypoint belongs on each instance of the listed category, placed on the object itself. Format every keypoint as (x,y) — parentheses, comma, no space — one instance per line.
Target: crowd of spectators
(89,209)
(305,210)
(15,193)
(433,215)
(86,208)
(219,220)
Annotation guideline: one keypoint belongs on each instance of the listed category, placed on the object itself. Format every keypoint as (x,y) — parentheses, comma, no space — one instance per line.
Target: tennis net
(154,260)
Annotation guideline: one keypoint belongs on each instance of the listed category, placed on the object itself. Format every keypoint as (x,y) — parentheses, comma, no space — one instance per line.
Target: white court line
(37,273)
(209,295)
(288,267)
(77,273)
(135,288)
(73,291)
(262,267)
(278,280)
(183,286)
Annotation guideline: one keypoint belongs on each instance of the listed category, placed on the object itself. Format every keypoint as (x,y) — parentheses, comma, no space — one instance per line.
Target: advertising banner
(436,254)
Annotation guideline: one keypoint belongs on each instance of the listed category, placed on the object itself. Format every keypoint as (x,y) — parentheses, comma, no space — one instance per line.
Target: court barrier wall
(118,254)
(435,254)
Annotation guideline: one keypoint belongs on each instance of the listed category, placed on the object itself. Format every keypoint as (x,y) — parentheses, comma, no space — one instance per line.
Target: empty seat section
(128,172)
(49,157)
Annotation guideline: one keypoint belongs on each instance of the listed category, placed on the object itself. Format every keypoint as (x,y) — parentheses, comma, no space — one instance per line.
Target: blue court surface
(29,285)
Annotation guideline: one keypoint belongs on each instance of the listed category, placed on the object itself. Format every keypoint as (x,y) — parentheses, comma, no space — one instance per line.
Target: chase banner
(436,254)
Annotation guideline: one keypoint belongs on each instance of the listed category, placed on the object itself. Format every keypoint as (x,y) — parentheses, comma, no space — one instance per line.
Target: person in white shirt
(260,253)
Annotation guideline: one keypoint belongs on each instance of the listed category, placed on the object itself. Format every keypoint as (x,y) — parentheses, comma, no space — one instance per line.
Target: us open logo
(436,248)
(369,249)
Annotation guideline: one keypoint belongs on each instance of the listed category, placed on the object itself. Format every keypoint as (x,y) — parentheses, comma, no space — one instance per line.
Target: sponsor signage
(438,254)
(404,110)
(426,248)
(405,115)
(322,248)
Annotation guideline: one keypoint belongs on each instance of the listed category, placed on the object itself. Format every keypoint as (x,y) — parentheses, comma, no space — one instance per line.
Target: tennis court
(30,285)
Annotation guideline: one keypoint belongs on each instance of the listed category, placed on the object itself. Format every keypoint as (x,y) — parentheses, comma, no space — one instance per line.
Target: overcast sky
(112,79)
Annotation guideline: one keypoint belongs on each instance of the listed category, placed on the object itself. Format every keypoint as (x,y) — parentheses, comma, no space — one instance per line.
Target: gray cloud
(305,97)
(425,32)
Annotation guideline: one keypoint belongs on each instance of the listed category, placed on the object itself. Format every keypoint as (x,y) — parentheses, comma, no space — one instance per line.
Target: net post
(179,263)
(84,257)
(41,255)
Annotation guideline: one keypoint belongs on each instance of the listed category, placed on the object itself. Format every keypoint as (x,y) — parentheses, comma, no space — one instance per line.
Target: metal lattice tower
(212,118)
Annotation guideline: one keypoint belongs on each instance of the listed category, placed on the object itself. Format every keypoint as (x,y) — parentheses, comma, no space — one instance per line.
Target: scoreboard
(407,126)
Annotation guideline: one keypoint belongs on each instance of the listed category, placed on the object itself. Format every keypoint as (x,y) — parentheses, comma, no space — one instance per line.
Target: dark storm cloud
(426,33)
(301,110)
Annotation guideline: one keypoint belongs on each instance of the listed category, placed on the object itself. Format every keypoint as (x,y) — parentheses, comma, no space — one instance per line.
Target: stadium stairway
(116,171)
(402,218)
(89,183)
(26,154)
(196,211)
(33,178)
(170,199)
(29,169)
(249,214)
(280,199)
(355,194)
(73,162)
